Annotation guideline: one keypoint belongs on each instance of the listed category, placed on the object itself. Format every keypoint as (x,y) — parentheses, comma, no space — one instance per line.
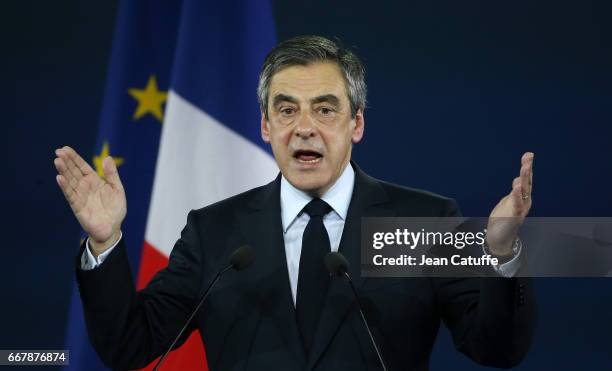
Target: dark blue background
(458,91)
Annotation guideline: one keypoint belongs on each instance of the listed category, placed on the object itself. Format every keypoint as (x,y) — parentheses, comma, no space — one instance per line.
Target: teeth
(310,161)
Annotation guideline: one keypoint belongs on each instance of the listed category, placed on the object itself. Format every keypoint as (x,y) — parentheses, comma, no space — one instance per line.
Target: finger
(61,163)
(531,174)
(70,164)
(110,172)
(517,198)
(61,167)
(74,198)
(82,165)
(516,181)
(68,192)
(74,174)
(524,177)
(521,205)
(527,158)
(526,172)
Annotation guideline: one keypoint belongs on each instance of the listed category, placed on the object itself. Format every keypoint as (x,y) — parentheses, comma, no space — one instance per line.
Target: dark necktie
(313,278)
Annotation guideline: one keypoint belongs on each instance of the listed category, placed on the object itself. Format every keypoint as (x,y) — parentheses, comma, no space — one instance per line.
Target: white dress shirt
(292,202)
(88,261)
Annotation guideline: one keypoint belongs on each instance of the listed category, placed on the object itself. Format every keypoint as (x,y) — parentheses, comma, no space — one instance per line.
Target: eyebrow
(283,98)
(330,98)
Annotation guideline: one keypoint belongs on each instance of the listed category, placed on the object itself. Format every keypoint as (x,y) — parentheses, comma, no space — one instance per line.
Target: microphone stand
(363,319)
(208,289)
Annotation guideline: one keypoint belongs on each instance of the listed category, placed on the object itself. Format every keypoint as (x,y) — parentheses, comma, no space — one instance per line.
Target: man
(285,312)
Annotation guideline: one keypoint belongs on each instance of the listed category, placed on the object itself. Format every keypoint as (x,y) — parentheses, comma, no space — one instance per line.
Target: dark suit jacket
(248,321)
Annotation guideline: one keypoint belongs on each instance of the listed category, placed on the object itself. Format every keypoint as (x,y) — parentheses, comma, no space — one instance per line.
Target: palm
(504,222)
(509,214)
(98,204)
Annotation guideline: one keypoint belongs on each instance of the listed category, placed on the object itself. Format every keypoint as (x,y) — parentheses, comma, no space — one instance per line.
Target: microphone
(240,259)
(337,265)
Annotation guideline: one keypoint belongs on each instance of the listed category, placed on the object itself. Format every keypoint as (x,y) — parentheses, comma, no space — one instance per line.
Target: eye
(287,111)
(326,111)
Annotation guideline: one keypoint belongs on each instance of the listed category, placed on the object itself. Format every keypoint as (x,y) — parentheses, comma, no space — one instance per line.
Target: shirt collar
(338,197)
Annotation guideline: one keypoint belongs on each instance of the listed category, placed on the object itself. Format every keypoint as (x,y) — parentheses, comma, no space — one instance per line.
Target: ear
(265,128)
(359,127)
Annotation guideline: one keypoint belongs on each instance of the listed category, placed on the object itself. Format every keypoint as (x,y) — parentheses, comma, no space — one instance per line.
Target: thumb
(110,172)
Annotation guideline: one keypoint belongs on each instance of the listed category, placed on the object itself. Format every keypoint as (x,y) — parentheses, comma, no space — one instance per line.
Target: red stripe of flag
(191,355)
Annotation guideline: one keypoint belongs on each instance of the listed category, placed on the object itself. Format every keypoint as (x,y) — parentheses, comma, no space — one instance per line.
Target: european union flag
(130,127)
(193,66)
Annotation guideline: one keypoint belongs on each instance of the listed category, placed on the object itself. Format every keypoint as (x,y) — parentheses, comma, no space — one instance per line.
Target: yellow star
(150,100)
(98,160)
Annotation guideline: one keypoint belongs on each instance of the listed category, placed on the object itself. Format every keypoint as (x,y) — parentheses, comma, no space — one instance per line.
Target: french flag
(181,120)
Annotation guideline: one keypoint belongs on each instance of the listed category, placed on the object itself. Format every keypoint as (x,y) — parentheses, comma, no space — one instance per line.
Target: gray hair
(304,50)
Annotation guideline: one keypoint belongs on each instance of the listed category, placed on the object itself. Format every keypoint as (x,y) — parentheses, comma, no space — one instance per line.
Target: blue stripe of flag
(219,55)
(143,45)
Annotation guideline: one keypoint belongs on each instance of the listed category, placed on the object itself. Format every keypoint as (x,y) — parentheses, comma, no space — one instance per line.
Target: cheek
(280,137)
(337,142)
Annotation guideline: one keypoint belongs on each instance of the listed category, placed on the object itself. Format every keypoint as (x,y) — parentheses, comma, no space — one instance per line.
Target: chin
(308,182)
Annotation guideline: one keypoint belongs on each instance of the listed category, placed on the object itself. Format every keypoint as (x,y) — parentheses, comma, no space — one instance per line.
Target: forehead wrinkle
(303,82)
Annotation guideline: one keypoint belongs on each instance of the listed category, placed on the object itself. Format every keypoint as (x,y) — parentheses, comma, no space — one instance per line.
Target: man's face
(310,126)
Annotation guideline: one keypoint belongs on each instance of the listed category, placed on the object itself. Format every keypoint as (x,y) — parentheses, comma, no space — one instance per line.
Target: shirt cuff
(89,262)
(509,268)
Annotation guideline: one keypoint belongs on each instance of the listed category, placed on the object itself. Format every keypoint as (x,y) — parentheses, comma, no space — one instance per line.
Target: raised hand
(99,204)
(509,214)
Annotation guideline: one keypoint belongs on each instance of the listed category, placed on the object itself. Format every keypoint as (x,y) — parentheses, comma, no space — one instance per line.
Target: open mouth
(307,156)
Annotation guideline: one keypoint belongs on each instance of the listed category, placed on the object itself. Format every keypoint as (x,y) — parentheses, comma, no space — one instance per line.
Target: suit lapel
(264,229)
(368,199)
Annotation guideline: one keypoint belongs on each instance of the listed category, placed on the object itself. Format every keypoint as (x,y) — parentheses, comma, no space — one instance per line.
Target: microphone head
(336,263)
(242,257)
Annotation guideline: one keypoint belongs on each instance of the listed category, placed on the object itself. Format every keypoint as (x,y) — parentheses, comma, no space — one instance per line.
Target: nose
(305,127)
